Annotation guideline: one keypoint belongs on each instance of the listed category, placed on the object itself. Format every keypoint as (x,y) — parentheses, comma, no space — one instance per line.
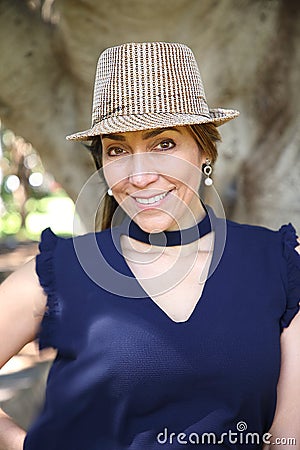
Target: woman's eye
(165,145)
(115,151)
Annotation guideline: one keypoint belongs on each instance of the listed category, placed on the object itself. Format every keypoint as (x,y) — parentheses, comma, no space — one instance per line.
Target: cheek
(119,190)
(190,178)
(114,174)
(182,171)
(187,191)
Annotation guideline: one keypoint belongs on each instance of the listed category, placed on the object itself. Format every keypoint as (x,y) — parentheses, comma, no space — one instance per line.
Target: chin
(154,225)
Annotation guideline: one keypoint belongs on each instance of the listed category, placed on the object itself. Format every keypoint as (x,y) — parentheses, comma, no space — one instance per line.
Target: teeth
(148,201)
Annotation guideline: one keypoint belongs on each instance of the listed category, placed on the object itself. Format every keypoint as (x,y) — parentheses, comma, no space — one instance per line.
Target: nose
(141,174)
(142,179)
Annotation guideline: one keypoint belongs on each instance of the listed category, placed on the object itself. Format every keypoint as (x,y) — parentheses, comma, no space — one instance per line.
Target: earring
(109,192)
(207,170)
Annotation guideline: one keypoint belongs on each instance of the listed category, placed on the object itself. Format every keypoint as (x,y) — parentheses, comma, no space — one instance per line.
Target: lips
(151,201)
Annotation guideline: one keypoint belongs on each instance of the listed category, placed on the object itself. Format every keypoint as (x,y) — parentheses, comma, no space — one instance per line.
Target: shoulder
(256,236)
(64,258)
(285,233)
(275,254)
(93,254)
(280,244)
(68,269)
(50,241)
(251,230)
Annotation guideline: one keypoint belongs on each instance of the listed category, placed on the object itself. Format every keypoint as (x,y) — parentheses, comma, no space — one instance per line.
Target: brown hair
(206,135)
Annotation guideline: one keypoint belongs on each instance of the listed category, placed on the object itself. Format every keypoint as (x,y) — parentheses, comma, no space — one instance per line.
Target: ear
(203,159)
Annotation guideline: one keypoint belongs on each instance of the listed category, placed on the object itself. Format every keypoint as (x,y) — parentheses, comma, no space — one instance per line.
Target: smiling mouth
(151,200)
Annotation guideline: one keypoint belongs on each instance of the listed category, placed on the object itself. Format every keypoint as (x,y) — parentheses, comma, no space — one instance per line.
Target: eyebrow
(157,131)
(114,137)
(149,134)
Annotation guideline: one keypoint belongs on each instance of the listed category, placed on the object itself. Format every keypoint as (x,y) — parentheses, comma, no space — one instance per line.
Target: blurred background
(248,53)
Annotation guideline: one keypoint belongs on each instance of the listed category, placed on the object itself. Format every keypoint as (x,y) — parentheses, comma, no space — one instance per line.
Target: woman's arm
(22,306)
(11,435)
(286,424)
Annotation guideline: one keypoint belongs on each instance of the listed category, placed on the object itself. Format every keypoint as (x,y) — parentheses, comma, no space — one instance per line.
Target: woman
(172,325)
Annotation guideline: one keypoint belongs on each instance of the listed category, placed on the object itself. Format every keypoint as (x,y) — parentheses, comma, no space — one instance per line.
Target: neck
(130,244)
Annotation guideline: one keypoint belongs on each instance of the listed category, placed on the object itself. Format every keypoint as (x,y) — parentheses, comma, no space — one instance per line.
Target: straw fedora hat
(148,85)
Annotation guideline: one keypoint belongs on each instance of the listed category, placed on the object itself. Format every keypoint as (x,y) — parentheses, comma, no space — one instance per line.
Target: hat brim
(138,122)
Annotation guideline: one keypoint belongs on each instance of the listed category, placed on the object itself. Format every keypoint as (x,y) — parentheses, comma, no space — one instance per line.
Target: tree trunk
(247,55)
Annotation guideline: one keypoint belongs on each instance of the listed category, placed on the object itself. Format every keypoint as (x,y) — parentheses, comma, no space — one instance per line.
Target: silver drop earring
(110,192)
(207,170)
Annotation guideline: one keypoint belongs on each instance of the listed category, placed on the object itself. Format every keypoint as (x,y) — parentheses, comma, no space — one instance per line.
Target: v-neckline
(205,291)
(148,297)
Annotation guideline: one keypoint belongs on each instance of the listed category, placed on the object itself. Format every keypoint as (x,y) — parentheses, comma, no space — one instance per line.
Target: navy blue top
(127,376)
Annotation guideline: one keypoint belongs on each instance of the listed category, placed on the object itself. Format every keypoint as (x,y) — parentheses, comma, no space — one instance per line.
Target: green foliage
(30,198)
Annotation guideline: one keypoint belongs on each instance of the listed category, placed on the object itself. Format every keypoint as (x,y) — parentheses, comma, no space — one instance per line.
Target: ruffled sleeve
(46,274)
(292,265)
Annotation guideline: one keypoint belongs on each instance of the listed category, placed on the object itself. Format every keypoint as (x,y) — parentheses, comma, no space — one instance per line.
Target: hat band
(118,114)
(195,105)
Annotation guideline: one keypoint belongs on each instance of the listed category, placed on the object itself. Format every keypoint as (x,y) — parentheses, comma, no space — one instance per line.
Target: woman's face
(155,176)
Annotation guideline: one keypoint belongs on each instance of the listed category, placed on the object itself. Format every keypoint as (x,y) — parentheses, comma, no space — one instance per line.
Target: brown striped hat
(140,86)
